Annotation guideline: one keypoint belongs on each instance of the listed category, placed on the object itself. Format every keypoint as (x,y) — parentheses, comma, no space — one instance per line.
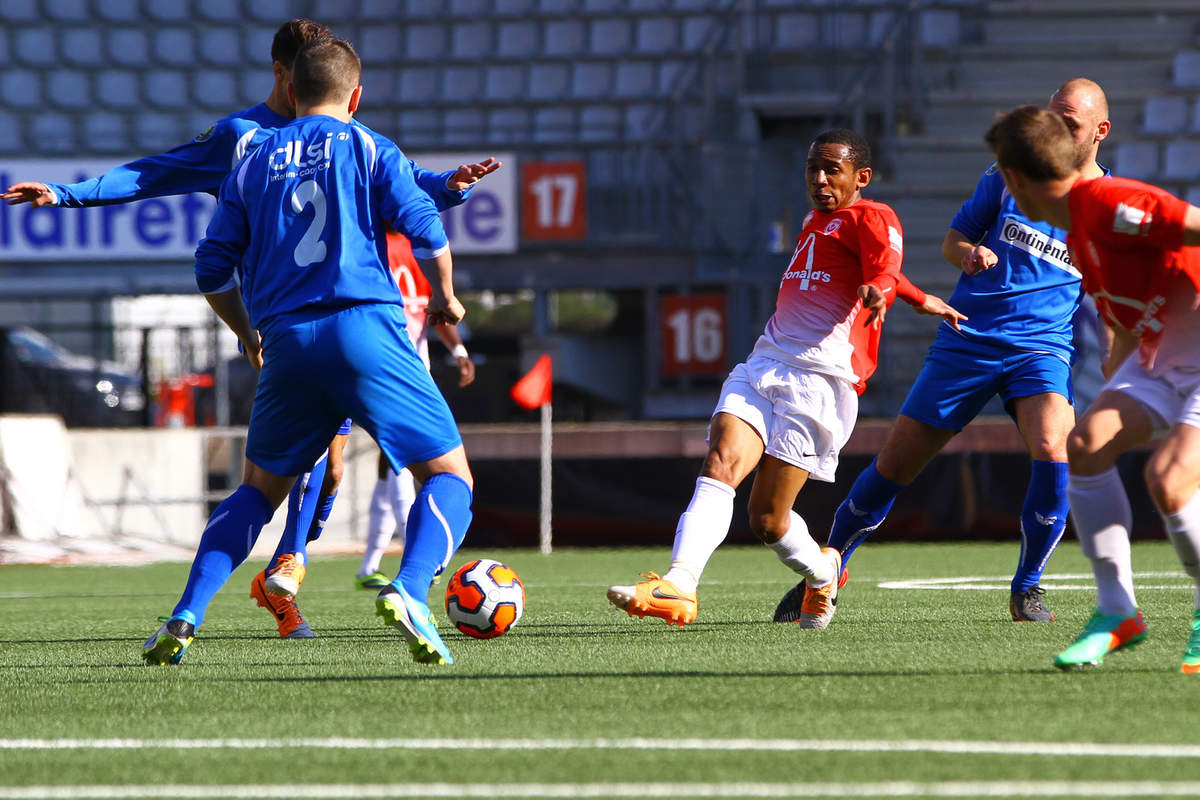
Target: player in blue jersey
(1019,291)
(302,219)
(199,166)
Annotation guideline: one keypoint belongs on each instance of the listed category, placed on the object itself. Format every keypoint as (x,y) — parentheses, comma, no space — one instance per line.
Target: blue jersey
(306,212)
(201,165)
(1025,302)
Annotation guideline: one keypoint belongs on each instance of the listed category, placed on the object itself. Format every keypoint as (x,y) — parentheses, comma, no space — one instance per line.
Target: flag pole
(544,512)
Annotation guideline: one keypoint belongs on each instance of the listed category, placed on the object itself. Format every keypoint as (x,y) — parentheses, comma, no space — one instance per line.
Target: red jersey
(818,320)
(1127,240)
(414,288)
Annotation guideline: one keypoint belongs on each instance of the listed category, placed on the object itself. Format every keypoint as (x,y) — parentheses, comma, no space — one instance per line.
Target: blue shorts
(323,366)
(958,380)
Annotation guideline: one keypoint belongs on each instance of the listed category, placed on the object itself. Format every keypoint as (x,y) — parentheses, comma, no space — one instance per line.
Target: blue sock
(437,524)
(301,509)
(864,509)
(1043,519)
(231,532)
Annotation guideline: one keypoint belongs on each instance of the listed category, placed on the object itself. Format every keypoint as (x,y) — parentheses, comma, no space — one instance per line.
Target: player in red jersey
(791,406)
(1135,246)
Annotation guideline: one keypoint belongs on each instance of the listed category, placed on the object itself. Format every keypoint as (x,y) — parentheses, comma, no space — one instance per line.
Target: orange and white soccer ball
(484,599)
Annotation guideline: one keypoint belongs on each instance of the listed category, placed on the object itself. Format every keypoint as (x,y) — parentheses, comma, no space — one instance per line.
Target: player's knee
(724,465)
(1169,488)
(1084,453)
(768,525)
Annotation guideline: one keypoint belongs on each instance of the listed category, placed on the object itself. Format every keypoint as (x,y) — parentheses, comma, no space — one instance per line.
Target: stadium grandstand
(654,160)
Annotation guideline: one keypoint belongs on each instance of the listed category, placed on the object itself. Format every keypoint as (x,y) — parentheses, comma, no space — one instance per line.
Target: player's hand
(940,308)
(466,371)
(467,175)
(444,311)
(39,194)
(875,301)
(254,352)
(977,259)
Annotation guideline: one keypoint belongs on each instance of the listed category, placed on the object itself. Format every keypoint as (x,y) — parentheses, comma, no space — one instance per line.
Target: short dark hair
(325,69)
(291,36)
(856,146)
(1034,142)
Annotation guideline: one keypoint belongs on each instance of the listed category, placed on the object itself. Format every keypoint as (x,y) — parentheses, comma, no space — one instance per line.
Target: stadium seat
(11,140)
(332,12)
(68,10)
(669,73)
(1185,71)
(68,89)
(418,84)
(53,133)
(255,84)
(107,132)
(1194,117)
(174,47)
(222,10)
(514,7)
(383,82)
(35,46)
(517,39)
(81,47)
(471,39)
(462,83)
(548,81)
(1164,114)
(504,82)
(378,43)
(601,5)
(553,124)
(1182,160)
(1193,195)
(19,11)
(635,79)
(154,132)
(608,36)
(565,37)
(120,10)
(170,10)
(940,28)
(508,126)
(167,88)
(221,46)
(471,8)
(637,117)
(844,31)
(1137,160)
(463,126)
(423,8)
(557,6)
(270,11)
(591,79)
(656,35)
(256,47)
(695,31)
(129,47)
(216,89)
(600,124)
(118,88)
(425,41)
(418,128)
(797,31)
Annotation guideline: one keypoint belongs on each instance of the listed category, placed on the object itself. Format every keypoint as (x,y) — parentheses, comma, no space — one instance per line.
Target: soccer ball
(484,599)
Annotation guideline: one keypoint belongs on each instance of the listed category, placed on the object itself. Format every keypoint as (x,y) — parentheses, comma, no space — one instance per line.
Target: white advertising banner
(168,228)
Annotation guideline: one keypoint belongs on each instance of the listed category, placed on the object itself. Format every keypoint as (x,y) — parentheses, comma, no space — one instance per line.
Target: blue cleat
(168,644)
(413,619)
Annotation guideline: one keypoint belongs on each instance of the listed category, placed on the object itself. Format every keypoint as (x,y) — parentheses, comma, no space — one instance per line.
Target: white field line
(978,583)
(659,789)
(958,746)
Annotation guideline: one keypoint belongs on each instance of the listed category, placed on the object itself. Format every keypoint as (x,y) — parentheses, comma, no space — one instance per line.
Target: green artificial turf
(896,665)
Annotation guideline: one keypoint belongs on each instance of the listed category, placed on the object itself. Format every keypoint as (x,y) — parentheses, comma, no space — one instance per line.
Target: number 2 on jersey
(311,248)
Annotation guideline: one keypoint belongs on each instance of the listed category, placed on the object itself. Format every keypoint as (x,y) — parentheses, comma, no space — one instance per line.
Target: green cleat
(168,644)
(1191,657)
(1103,634)
(411,617)
(376,581)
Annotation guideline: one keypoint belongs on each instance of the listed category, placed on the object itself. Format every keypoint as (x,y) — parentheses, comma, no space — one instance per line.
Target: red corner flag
(533,390)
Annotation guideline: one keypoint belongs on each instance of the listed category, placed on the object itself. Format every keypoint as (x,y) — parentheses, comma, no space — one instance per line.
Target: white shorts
(803,417)
(1170,398)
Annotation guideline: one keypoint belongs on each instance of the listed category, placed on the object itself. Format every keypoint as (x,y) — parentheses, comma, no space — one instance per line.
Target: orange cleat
(287,576)
(819,604)
(656,597)
(288,618)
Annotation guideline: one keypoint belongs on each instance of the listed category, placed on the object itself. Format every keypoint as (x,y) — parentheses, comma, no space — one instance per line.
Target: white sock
(1100,509)
(801,554)
(1183,528)
(701,530)
(379,533)
(402,489)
